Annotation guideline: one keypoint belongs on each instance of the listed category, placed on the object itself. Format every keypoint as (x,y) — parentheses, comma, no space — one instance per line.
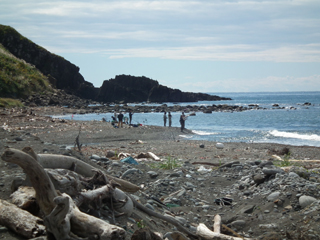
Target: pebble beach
(245,180)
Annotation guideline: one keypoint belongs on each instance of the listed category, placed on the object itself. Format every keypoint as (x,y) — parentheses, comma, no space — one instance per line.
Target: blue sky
(198,45)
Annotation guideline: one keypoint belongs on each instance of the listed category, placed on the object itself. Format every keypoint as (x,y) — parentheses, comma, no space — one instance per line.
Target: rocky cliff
(128,88)
(64,75)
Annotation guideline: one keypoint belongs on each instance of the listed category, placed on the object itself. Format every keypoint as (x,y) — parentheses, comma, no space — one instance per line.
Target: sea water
(294,124)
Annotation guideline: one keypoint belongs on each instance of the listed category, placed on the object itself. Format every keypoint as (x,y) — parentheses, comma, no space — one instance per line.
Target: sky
(192,45)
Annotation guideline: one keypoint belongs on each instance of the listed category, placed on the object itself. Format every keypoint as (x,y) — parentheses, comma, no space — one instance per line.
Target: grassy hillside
(19,79)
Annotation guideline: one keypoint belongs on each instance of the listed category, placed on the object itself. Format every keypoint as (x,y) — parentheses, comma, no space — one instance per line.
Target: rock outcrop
(64,75)
(126,88)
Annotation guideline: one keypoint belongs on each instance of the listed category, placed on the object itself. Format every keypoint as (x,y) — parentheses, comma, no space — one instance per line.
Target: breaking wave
(313,137)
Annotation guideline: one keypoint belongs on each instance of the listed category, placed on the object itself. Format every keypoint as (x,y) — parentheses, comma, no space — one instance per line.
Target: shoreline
(245,160)
(56,133)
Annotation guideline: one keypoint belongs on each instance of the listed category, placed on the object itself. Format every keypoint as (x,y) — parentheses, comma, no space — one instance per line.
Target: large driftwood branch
(45,191)
(20,221)
(61,161)
(296,160)
(207,234)
(164,218)
(120,201)
(82,225)
(58,221)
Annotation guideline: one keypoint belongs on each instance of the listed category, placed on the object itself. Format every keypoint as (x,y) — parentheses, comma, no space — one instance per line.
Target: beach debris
(219,145)
(129,160)
(77,141)
(153,156)
(204,232)
(20,221)
(60,210)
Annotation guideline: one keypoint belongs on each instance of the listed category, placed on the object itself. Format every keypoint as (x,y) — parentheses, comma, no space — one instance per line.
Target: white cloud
(270,83)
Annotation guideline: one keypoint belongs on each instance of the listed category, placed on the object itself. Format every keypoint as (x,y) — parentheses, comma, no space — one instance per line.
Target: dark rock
(259,178)
(145,234)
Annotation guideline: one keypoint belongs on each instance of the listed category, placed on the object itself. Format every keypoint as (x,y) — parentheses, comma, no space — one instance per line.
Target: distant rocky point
(64,75)
(126,88)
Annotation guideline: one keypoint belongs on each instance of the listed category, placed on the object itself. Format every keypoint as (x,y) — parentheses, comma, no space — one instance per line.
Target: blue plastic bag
(129,160)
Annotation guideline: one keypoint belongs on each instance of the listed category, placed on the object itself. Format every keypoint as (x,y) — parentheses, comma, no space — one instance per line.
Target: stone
(238,224)
(272,171)
(95,157)
(293,175)
(110,154)
(247,209)
(153,174)
(305,201)
(145,234)
(273,196)
(219,145)
(259,178)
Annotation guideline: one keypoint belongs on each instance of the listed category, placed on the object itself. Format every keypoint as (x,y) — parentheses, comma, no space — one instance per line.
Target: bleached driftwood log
(206,233)
(296,160)
(118,200)
(164,218)
(25,198)
(61,161)
(82,225)
(20,221)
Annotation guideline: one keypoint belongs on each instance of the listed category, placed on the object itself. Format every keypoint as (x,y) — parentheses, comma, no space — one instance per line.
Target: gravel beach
(199,171)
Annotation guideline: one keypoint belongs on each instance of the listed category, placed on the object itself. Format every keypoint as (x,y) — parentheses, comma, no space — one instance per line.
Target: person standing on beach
(164,118)
(182,121)
(130,116)
(170,119)
(120,118)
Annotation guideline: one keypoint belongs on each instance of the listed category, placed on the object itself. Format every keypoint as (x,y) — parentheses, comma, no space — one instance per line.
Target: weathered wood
(207,163)
(117,200)
(25,198)
(45,191)
(164,218)
(82,225)
(296,160)
(66,181)
(20,221)
(217,224)
(66,162)
(58,221)
(207,234)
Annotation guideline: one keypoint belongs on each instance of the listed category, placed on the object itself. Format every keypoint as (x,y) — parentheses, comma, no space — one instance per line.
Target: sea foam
(313,137)
(203,133)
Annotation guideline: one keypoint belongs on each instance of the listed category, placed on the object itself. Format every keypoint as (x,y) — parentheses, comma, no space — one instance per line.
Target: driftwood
(116,199)
(55,161)
(296,160)
(207,234)
(25,198)
(82,225)
(164,218)
(208,163)
(20,221)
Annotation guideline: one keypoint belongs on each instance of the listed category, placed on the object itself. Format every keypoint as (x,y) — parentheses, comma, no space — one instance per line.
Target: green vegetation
(168,164)
(285,162)
(19,79)
(10,103)
(141,224)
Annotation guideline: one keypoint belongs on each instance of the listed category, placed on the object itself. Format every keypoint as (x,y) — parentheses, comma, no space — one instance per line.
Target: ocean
(294,124)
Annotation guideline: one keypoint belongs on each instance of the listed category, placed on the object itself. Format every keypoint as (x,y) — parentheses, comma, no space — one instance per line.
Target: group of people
(121,119)
(169,117)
